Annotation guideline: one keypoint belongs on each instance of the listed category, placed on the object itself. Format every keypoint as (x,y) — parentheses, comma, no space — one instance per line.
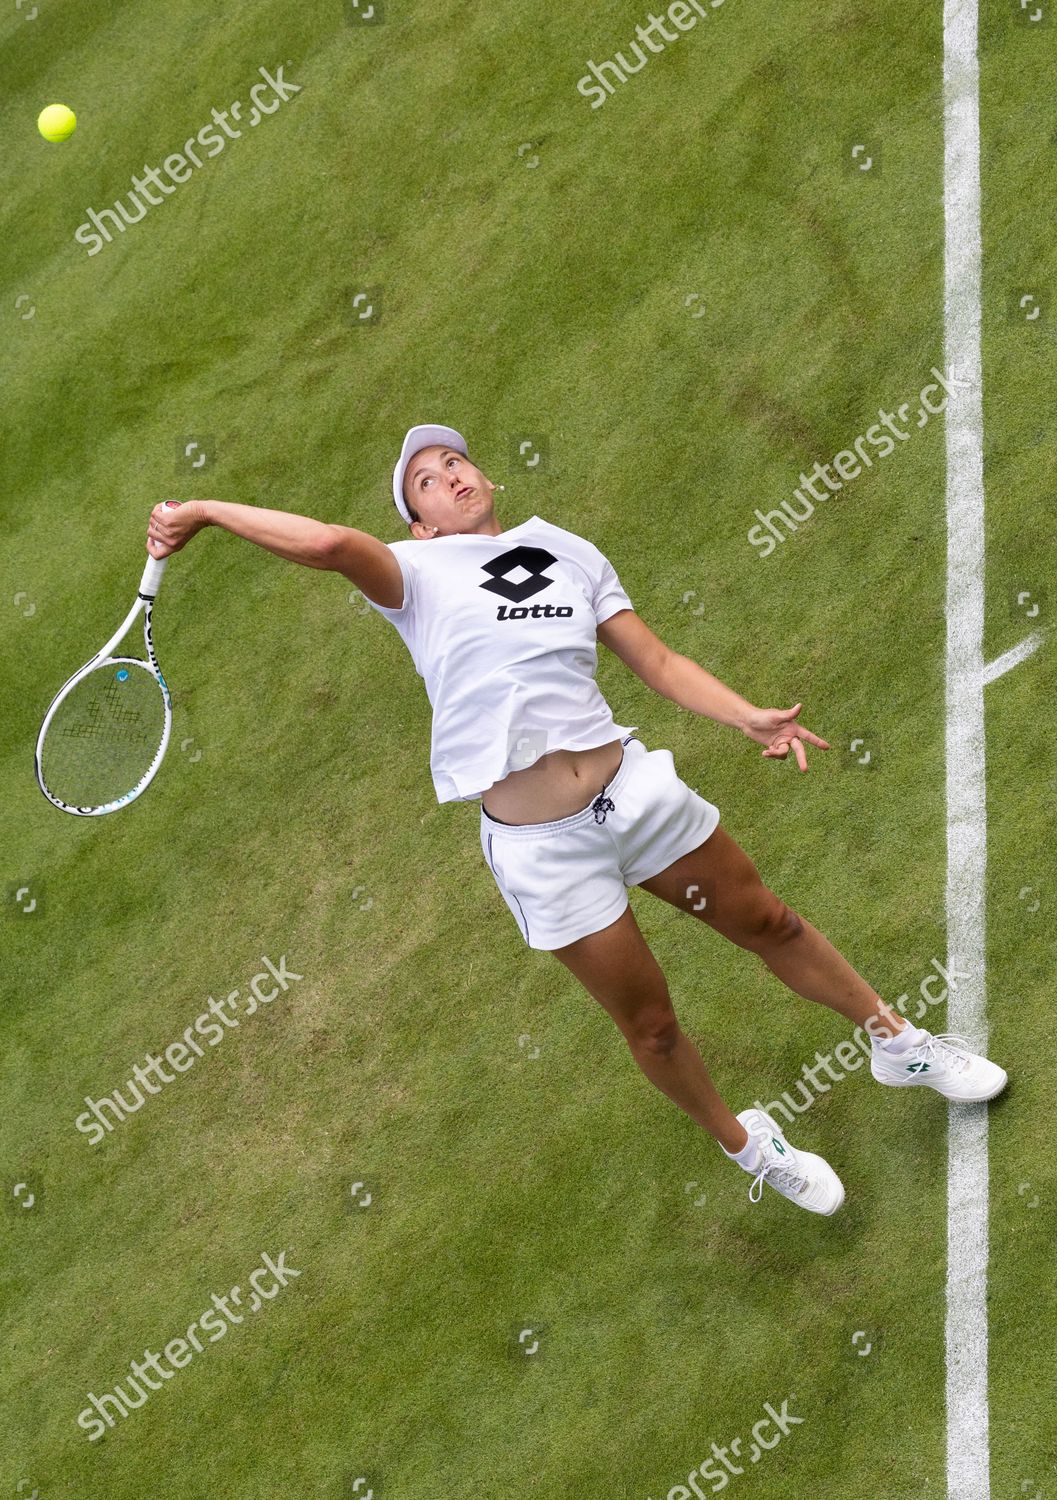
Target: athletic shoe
(798,1175)
(943,1063)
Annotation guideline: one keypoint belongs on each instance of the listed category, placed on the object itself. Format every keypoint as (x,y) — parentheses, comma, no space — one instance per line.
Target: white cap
(422,437)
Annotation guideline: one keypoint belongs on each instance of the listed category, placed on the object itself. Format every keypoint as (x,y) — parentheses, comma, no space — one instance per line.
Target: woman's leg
(719,883)
(616,967)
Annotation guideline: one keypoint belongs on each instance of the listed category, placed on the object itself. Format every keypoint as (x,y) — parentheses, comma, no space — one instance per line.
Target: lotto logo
(530,561)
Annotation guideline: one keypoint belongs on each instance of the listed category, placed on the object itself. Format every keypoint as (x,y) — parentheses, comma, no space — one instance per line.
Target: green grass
(547,302)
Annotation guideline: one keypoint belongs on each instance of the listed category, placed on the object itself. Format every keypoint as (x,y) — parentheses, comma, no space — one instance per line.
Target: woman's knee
(763,921)
(653,1030)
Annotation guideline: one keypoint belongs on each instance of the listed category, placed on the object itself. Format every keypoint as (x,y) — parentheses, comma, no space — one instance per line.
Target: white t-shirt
(502,629)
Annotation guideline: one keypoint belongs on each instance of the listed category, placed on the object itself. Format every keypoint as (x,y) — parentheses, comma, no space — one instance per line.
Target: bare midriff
(555,786)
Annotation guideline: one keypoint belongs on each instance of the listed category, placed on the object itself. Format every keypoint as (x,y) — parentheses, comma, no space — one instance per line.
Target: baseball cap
(423,436)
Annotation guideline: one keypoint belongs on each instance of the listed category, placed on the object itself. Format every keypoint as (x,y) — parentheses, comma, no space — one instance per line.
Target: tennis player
(503,625)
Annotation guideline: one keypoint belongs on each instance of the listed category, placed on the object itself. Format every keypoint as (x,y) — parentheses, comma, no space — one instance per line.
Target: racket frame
(146,594)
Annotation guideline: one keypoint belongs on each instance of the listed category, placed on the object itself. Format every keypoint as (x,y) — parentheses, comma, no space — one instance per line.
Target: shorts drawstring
(602,804)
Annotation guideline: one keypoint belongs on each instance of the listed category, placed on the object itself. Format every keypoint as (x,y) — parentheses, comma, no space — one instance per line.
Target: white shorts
(563,880)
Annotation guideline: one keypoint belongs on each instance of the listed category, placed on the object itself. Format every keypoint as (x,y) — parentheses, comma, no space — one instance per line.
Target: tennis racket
(107,729)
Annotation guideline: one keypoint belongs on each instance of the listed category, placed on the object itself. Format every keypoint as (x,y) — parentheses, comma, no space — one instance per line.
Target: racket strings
(104,736)
(108,714)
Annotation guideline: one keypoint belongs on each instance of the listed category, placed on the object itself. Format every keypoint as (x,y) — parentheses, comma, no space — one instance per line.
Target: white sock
(749,1155)
(910,1036)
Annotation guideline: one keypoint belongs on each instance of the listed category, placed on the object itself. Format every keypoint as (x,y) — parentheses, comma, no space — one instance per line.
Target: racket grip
(150,583)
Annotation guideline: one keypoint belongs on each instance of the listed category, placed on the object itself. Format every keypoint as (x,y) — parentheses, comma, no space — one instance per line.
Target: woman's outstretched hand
(776,728)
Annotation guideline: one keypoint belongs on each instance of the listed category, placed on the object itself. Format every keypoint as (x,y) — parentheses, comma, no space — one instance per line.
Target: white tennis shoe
(944,1063)
(800,1176)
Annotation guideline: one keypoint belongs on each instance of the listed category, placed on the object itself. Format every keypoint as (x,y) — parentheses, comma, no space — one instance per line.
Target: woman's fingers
(781,750)
(157,544)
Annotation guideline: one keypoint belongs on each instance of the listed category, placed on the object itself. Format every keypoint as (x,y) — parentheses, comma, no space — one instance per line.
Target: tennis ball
(56,123)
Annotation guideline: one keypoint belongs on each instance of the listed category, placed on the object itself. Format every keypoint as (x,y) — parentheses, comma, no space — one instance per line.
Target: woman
(502,625)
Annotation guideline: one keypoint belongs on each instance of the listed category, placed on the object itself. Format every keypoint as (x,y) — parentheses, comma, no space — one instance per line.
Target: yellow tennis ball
(57,122)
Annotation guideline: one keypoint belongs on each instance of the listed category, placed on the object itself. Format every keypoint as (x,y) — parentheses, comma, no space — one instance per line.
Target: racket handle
(150,583)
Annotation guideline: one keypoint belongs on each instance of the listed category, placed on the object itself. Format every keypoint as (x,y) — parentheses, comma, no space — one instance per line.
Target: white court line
(968,1458)
(1002,664)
